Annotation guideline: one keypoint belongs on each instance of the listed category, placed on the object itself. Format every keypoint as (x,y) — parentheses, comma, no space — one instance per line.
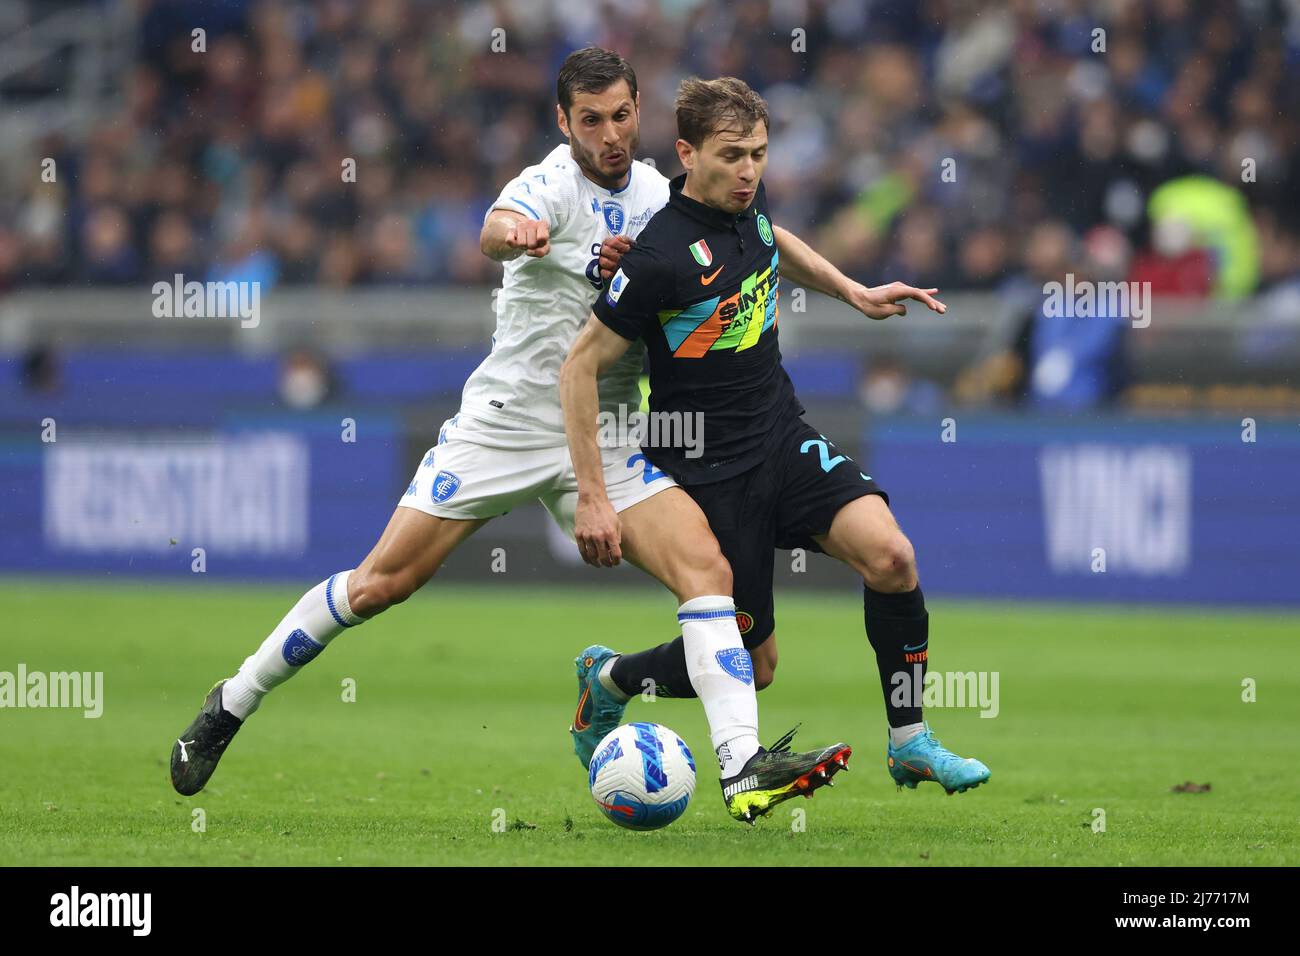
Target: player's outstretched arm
(596,526)
(508,235)
(804,266)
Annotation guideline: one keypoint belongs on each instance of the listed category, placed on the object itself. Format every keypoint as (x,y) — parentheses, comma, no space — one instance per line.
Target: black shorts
(780,503)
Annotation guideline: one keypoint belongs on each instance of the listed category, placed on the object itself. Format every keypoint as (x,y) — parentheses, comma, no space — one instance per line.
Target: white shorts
(482,470)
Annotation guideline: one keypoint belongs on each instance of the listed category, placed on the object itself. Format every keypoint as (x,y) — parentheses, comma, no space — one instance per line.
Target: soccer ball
(642,776)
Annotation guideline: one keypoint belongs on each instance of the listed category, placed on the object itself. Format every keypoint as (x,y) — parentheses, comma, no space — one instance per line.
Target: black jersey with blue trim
(700,287)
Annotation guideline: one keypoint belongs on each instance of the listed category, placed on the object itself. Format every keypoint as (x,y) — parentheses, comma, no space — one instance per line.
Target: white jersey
(543,303)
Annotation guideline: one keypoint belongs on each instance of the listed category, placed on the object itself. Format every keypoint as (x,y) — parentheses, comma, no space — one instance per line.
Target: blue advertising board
(1119,509)
(278,496)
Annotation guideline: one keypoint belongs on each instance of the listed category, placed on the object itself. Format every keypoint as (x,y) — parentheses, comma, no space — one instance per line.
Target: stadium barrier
(164,449)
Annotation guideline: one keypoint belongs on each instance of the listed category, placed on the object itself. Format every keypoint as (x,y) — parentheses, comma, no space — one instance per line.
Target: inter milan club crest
(613,216)
(700,250)
(764,229)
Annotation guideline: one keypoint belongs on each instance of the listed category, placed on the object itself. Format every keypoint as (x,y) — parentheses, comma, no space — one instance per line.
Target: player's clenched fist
(531,235)
(611,253)
(598,531)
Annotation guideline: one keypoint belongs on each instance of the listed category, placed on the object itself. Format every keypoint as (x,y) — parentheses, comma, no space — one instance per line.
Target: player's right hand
(598,530)
(531,235)
(611,254)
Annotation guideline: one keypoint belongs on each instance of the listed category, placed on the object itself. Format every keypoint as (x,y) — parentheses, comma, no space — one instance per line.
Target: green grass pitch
(464,696)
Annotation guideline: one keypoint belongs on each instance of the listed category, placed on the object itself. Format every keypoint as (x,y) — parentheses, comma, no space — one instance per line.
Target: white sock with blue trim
(723,676)
(319,616)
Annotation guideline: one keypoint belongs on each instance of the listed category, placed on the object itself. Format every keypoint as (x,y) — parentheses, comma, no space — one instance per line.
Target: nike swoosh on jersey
(706,280)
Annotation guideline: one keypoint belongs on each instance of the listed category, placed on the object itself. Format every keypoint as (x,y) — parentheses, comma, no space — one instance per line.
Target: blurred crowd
(941,142)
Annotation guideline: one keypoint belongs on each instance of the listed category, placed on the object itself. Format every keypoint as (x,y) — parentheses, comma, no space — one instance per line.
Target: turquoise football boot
(598,712)
(924,758)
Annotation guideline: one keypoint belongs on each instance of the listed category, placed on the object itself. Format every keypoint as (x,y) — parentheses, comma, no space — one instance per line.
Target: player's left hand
(598,531)
(611,253)
(882,301)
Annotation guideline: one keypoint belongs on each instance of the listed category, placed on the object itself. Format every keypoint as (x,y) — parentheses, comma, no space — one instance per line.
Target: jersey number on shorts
(650,472)
(824,450)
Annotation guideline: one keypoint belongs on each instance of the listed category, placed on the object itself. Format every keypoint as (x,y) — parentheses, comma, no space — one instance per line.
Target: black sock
(665,665)
(898,627)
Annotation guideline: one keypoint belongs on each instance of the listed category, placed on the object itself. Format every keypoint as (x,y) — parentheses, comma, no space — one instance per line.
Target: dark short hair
(705,107)
(592,70)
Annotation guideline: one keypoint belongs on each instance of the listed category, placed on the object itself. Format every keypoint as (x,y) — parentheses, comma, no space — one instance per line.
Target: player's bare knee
(892,565)
(718,572)
(372,593)
(363,595)
(764,674)
(705,571)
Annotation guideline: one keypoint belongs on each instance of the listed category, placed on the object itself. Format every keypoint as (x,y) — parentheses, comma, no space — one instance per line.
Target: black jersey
(700,286)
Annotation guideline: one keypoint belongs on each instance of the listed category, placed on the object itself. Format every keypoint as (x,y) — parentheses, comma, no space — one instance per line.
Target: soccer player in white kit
(507,445)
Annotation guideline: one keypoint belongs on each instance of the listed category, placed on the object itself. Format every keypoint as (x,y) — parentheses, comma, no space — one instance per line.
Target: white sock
(901,735)
(606,679)
(319,616)
(723,676)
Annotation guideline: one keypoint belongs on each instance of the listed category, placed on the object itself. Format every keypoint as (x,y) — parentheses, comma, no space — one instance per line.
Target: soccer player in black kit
(700,287)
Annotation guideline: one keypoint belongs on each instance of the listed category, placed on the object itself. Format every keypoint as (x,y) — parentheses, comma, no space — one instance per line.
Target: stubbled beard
(588,162)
